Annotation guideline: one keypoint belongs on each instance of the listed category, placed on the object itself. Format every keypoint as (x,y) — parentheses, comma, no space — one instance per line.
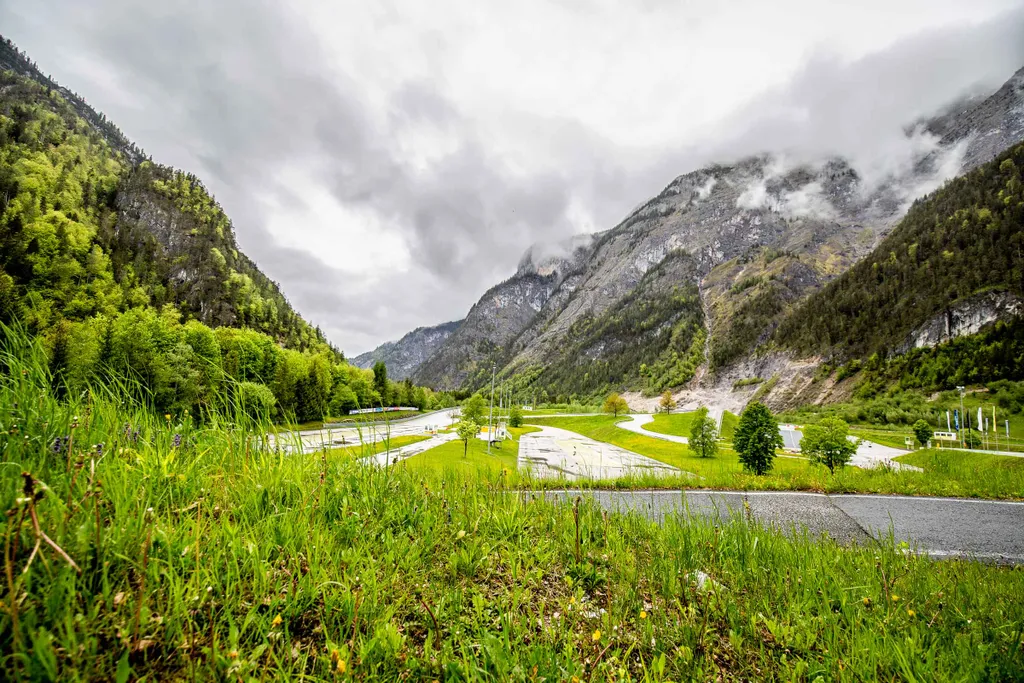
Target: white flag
(981,421)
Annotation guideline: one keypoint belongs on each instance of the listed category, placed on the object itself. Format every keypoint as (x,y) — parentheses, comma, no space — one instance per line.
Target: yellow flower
(867,601)
(910,612)
(575,679)
(277,621)
(596,637)
(895,598)
(167,416)
(643,614)
(341,666)
(233,654)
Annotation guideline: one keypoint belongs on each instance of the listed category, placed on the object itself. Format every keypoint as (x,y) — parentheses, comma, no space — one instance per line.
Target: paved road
(940,527)
(636,424)
(554,452)
(313,440)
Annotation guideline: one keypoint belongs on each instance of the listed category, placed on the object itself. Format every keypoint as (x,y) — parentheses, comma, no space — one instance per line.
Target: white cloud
(441,139)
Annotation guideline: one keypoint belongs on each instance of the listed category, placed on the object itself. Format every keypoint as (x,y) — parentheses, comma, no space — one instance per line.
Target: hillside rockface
(405,355)
(762,233)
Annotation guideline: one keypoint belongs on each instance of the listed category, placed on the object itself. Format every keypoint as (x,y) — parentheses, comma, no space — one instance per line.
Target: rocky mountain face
(503,313)
(402,357)
(761,233)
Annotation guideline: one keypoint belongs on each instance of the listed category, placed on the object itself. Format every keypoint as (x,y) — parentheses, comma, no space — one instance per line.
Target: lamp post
(490,413)
(963,417)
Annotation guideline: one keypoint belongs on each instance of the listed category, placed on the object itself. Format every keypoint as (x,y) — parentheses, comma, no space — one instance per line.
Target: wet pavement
(939,527)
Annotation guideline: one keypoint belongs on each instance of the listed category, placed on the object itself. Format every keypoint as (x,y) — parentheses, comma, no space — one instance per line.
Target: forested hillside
(964,239)
(654,339)
(130,270)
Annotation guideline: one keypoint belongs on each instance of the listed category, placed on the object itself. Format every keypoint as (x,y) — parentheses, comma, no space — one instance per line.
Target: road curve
(636,423)
(939,527)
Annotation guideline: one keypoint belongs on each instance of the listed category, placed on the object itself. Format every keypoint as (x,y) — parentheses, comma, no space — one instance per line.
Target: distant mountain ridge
(403,356)
(762,235)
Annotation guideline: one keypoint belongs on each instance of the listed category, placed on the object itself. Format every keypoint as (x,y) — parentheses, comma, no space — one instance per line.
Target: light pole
(962,416)
(490,413)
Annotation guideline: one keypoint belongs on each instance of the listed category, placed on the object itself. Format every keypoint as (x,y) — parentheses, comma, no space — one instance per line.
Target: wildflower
(643,614)
(461,534)
(177,440)
(233,654)
(167,417)
(341,666)
(867,602)
(910,613)
(575,679)
(895,598)
(596,637)
(277,621)
(99,448)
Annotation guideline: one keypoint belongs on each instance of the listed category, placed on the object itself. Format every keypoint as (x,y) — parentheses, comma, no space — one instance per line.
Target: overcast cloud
(387,162)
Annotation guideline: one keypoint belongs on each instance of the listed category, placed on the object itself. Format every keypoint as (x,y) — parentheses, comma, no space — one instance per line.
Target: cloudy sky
(386,162)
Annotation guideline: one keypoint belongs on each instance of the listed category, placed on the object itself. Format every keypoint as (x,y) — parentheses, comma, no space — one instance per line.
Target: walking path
(313,440)
(636,424)
(399,454)
(554,452)
(939,527)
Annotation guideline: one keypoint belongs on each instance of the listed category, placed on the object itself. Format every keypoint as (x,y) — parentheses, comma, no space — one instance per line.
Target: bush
(256,400)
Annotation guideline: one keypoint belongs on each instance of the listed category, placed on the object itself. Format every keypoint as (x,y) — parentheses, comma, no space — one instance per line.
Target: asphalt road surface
(554,452)
(312,440)
(940,527)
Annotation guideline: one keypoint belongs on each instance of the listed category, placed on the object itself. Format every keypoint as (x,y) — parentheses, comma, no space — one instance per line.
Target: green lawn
(603,428)
(676,424)
(361,450)
(969,465)
(448,457)
(724,470)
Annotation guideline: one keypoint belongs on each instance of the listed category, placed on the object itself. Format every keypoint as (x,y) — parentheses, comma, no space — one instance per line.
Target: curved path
(636,424)
(869,454)
(939,527)
(554,452)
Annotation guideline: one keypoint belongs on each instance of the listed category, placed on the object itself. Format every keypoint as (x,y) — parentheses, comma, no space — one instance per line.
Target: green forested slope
(652,339)
(965,238)
(130,270)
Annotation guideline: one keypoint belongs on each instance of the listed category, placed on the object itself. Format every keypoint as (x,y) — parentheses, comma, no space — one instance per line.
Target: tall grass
(218,558)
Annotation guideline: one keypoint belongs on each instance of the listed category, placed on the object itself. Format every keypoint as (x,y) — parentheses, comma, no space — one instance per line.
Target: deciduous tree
(703,434)
(615,404)
(827,444)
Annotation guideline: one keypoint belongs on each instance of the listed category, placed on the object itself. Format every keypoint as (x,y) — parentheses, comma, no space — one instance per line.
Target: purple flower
(99,448)
(177,440)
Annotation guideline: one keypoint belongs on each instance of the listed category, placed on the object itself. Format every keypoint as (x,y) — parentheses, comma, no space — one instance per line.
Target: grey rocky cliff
(403,356)
(964,317)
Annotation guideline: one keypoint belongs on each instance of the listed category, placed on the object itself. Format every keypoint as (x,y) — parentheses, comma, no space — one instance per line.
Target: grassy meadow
(151,547)
(942,476)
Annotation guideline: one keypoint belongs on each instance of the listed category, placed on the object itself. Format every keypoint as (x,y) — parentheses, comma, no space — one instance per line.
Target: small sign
(945,436)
